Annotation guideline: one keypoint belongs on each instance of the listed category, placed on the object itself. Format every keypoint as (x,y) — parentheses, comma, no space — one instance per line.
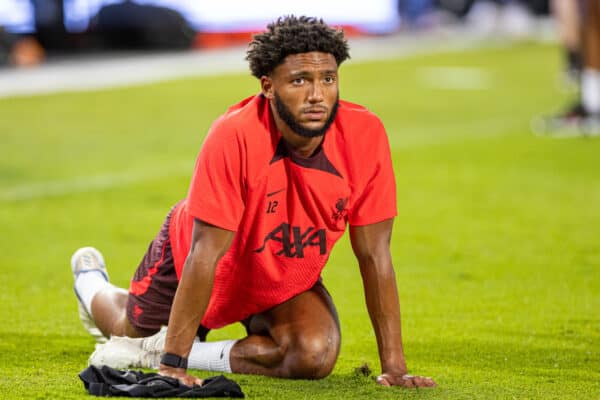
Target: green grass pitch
(496,245)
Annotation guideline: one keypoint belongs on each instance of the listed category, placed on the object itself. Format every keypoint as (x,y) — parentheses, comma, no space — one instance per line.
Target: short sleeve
(374,197)
(216,194)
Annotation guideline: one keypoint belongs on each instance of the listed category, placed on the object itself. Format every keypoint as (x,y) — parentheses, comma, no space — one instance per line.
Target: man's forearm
(384,310)
(189,305)
(371,245)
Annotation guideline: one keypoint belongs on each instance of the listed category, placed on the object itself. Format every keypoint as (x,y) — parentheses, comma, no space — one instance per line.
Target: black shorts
(153,285)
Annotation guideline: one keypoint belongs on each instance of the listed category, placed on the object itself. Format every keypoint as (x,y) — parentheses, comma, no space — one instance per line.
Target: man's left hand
(405,380)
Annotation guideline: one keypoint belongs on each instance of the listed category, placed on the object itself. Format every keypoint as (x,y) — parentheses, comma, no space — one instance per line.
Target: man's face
(304,90)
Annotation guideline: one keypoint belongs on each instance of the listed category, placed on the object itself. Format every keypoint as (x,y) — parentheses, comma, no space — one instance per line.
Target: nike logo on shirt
(275,192)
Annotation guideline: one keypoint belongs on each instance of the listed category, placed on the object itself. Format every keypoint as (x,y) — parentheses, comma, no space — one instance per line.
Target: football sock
(87,285)
(590,90)
(211,356)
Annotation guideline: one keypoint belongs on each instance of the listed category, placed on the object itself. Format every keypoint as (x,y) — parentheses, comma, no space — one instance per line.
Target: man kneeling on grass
(277,180)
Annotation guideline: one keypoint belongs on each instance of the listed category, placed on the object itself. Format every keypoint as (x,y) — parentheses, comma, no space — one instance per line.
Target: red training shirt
(287,211)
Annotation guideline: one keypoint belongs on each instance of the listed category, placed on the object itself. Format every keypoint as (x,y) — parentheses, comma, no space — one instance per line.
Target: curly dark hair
(294,35)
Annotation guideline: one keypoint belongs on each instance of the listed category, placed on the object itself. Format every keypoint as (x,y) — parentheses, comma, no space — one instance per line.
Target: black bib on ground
(106,381)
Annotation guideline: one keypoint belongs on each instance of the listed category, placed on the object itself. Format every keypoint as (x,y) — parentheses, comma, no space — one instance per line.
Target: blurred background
(34,31)
(89,44)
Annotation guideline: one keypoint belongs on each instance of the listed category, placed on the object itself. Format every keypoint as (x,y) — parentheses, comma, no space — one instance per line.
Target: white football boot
(84,260)
(153,348)
(123,352)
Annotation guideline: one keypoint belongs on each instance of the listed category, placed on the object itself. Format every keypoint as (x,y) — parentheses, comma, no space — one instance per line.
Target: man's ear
(266,86)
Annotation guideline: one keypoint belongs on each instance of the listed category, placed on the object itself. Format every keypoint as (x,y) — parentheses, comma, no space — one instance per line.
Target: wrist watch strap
(173,360)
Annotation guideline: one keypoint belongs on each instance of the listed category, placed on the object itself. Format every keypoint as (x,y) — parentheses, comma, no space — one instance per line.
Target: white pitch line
(56,188)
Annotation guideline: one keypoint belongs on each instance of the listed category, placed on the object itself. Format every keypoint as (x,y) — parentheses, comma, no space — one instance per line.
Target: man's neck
(302,145)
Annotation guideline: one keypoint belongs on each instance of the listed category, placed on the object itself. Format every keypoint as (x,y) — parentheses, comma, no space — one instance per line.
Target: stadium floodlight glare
(374,16)
(16,16)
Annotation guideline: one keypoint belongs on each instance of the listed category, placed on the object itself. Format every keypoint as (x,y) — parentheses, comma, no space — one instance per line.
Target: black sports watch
(173,360)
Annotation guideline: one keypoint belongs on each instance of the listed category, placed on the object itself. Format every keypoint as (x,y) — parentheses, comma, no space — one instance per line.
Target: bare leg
(590,79)
(109,308)
(591,35)
(569,24)
(297,339)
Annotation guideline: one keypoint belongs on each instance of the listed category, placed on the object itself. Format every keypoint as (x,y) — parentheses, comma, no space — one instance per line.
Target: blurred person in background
(18,44)
(590,76)
(30,29)
(510,18)
(20,50)
(142,26)
(579,30)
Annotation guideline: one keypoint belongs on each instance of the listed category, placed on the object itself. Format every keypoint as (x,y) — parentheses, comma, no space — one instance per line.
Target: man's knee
(312,356)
